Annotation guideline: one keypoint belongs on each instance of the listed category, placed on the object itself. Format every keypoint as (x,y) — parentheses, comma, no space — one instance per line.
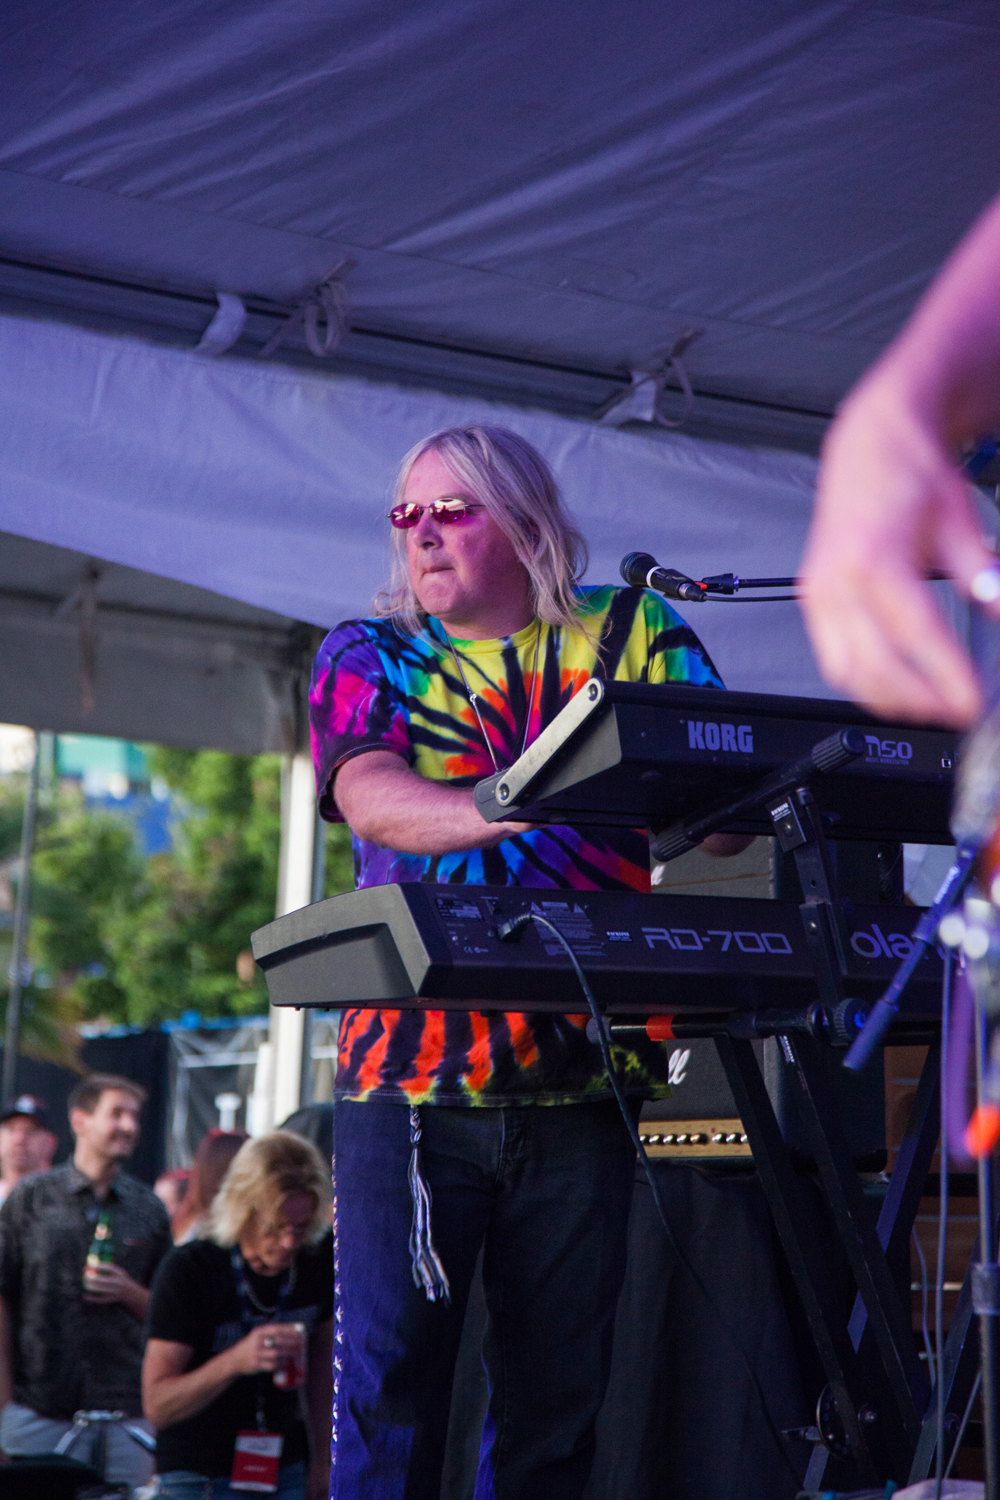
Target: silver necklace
(475,702)
(287,1289)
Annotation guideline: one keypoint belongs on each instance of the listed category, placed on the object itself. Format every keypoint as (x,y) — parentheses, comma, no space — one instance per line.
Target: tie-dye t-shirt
(374,688)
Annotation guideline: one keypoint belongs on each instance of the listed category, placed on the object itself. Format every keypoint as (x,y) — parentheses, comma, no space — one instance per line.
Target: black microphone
(642,571)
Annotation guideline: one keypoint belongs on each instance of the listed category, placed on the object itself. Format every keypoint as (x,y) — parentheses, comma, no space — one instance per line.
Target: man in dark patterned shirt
(66,1345)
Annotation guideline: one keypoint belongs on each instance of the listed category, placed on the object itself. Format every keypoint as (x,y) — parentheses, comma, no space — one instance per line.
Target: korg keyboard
(435,946)
(641,755)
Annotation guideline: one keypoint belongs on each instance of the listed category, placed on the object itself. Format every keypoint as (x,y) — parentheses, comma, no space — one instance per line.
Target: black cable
(964,1423)
(760,599)
(506,930)
(925,1290)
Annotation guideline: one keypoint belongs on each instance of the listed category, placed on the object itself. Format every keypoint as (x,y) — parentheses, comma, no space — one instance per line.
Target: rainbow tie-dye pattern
(376,689)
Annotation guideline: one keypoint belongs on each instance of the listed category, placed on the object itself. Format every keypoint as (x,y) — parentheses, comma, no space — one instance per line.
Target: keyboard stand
(870,1413)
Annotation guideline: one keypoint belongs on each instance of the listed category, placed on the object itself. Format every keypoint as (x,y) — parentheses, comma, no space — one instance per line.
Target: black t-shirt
(194,1301)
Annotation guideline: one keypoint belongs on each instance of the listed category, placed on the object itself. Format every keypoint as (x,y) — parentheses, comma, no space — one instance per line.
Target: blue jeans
(182,1484)
(545,1191)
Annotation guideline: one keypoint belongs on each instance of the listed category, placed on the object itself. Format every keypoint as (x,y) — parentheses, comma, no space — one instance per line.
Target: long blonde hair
(262,1174)
(516,487)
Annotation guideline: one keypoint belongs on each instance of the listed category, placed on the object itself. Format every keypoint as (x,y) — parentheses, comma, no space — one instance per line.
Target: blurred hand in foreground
(892,505)
(953,1489)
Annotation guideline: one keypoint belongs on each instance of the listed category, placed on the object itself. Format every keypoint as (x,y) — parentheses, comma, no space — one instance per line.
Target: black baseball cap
(28,1105)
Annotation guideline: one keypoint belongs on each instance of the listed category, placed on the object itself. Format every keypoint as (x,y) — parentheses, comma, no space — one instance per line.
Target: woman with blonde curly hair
(240,1330)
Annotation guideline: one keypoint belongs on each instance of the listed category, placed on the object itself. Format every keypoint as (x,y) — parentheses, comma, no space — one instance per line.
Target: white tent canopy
(536,199)
(270,486)
(526,204)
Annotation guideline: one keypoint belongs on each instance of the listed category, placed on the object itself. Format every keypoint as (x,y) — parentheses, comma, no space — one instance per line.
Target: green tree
(177,950)
(338,874)
(118,935)
(12,789)
(82,863)
(86,873)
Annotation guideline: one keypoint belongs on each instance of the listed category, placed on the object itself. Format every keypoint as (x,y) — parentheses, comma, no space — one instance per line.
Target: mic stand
(984,1273)
(831,754)
(825,927)
(102,1420)
(925,933)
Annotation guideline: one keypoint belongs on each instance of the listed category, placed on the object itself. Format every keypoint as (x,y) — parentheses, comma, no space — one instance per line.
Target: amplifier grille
(690,1140)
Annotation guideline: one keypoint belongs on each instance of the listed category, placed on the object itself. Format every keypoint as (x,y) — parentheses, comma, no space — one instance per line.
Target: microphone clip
(674,585)
(641,570)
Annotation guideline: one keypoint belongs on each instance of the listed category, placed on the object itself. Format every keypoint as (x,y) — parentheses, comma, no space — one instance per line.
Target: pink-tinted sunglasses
(444,511)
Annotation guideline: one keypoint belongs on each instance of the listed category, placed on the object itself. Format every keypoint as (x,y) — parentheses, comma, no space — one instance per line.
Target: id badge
(255,1462)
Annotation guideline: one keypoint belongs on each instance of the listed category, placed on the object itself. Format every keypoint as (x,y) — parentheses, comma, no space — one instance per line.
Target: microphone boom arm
(641,570)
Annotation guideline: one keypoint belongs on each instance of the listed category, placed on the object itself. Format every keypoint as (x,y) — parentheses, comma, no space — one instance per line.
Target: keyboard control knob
(846,1020)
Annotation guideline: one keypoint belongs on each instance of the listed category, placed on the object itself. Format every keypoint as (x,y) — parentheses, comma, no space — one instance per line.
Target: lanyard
(474,700)
(251,1310)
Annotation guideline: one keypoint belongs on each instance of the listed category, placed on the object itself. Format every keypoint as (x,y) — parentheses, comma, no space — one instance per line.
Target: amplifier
(700,1122)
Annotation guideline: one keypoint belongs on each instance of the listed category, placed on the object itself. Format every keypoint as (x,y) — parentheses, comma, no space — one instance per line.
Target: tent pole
(308,1016)
(13,1031)
(295,889)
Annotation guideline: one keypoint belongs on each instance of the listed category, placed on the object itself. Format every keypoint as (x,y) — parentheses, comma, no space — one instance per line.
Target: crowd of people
(208,1329)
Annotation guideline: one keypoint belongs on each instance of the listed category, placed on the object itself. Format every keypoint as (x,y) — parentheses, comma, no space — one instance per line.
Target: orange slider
(660,1029)
(983,1131)
(989,859)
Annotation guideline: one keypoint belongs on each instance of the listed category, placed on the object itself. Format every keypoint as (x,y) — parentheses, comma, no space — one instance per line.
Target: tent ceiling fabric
(172,663)
(565,184)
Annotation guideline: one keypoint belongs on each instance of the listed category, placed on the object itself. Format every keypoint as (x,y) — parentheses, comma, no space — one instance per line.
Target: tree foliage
(86,869)
(126,937)
(176,948)
(12,790)
(46,1014)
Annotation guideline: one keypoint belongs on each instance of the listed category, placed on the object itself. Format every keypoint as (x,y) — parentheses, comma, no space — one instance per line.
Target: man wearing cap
(71,1335)
(26,1142)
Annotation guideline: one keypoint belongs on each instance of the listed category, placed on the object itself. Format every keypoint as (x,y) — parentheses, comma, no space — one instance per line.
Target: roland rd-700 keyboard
(423,945)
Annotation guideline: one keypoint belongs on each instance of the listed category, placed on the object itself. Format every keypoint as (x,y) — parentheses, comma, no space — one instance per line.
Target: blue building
(115,774)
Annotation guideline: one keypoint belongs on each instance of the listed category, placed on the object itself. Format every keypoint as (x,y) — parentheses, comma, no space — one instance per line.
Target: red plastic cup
(290,1375)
